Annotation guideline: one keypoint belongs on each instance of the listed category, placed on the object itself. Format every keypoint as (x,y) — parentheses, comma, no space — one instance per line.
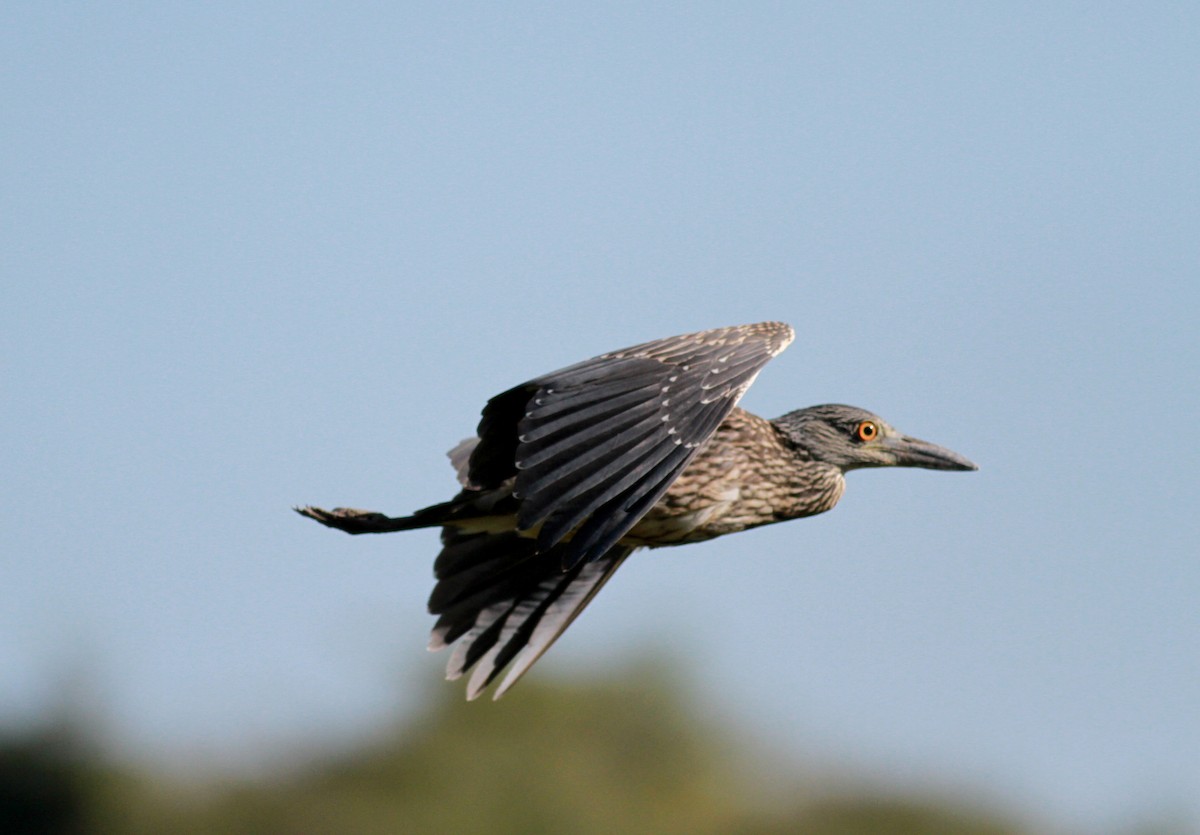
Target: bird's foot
(347,519)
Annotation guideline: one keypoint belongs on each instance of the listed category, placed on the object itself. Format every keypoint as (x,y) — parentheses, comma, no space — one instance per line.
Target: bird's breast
(744,477)
(668,523)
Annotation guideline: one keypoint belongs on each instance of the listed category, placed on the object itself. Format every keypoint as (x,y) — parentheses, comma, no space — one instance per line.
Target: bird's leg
(354,521)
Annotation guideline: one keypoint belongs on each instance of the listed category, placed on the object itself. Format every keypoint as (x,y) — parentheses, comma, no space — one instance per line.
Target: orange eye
(867,431)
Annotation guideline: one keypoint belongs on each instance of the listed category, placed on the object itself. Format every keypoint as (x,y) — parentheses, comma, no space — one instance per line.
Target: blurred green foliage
(626,755)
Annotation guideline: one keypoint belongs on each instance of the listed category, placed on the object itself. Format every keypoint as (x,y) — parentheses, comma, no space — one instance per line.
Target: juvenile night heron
(572,471)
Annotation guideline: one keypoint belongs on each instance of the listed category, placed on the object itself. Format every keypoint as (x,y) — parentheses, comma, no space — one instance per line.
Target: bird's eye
(868,430)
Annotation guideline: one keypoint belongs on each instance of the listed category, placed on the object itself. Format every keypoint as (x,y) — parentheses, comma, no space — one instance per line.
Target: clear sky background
(257,255)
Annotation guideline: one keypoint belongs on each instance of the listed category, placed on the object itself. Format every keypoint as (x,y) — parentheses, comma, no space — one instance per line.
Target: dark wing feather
(506,602)
(593,446)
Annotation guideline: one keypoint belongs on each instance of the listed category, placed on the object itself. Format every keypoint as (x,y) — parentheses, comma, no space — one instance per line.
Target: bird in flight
(571,472)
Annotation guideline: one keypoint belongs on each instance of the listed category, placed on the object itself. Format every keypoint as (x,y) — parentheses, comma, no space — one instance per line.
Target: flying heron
(572,471)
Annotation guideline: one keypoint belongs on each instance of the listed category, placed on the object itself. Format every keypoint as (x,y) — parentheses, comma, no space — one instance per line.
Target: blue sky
(281,254)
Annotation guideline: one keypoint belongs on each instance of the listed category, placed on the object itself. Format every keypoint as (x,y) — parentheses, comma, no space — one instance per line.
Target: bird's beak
(913,452)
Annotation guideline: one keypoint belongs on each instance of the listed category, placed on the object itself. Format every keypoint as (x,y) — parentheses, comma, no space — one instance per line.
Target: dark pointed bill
(913,452)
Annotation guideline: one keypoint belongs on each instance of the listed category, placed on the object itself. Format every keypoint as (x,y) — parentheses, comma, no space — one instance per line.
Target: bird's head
(849,438)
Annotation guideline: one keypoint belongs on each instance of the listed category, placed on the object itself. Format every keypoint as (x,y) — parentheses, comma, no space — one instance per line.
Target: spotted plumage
(572,471)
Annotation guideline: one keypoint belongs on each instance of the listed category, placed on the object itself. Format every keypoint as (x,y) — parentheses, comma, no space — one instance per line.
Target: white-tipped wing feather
(593,446)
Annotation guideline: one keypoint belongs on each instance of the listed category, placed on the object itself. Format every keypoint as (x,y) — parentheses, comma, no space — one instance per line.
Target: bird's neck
(814,488)
(811,486)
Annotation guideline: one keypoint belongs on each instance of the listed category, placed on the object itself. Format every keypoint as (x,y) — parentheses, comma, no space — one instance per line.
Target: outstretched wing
(505,602)
(593,446)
